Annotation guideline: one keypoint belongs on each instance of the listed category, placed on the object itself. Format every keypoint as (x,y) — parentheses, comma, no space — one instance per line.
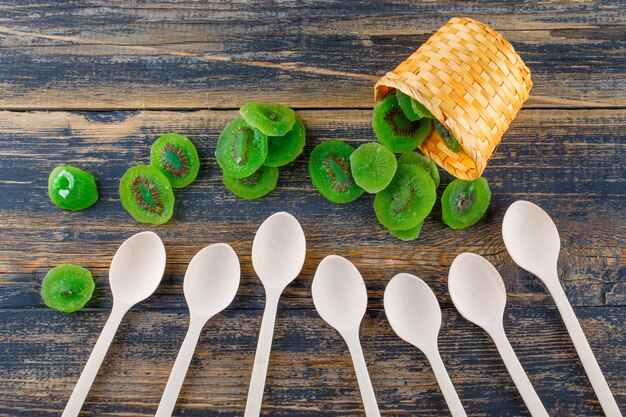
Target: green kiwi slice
(67,288)
(414,158)
(285,149)
(241,149)
(420,109)
(329,168)
(71,188)
(177,158)
(271,119)
(464,203)
(407,200)
(407,235)
(447,136)
(147,194)
(405,102)
(256,185)
(394,130)
(373,167)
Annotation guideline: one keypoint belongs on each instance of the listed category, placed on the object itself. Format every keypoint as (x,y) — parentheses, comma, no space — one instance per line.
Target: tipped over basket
(473,82)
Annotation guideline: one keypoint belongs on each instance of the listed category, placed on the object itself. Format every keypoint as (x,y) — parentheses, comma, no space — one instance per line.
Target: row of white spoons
(340,297)
(478,293)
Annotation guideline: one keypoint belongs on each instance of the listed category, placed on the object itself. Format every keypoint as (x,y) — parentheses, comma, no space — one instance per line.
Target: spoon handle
(594,373)
(181,365)
(75,403)
(262,357)
(449,393)
(362,375)
(513,365)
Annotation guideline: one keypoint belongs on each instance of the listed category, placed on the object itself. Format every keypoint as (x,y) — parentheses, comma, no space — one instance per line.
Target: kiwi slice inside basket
(448,138)
(464,203)
(256,185)
(71,188)
(241,149)
(177,158)
(407,235)
(414,158)
(147,194)
(394,129)
(373,166)
(67,288)
(285,149)
(407,200)
(271,119)
(421,110)
(405,102)
(329,168)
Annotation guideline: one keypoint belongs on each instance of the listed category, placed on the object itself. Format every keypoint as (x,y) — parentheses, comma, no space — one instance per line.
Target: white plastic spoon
(478,292)
(210,285)
(278,253)
(414,314)
(136,271)
(340,298)
(532,239)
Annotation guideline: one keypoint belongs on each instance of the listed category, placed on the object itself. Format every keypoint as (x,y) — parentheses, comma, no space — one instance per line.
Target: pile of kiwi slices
(252,147)
(146,190)
(405,187)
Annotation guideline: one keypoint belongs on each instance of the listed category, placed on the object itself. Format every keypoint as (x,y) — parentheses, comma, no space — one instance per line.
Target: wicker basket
(472,80)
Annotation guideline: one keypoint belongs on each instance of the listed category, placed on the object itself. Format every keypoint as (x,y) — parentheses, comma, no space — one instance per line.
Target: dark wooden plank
(570,162)
(98,55)
(310,374)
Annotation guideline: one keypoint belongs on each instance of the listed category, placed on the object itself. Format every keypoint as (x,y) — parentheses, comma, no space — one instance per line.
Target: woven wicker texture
(472,80)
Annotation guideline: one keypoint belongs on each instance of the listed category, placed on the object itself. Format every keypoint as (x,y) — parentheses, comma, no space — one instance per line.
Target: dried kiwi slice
(67,288)
(464,203)
(405,102)
(420,109)
(177,158)
(72,188)
(271,119)
(414,158)
(447,136)
(285,149)
(407,235)
(373,167)
(407,201)
(329,167)
(241,149)
(147,194)
(256,185)
(394,130)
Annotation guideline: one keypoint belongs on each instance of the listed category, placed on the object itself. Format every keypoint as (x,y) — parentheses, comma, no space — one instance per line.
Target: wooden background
(92,84)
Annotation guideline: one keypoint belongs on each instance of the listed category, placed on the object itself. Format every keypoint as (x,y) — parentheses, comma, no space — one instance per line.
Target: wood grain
(310,372)
(306,54)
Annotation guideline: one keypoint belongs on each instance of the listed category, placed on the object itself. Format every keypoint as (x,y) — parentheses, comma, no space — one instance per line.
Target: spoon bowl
(531,237)
(212,280)
(339,293)
(477,290)
(278,250)
(137,268)
(413,310)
